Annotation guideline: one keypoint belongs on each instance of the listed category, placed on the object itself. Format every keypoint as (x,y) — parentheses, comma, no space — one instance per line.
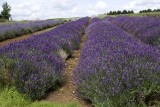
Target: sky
(46,9)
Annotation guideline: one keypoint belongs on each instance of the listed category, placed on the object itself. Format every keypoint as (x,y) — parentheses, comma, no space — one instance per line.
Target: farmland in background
(15,29)
(119,65)
(150,14)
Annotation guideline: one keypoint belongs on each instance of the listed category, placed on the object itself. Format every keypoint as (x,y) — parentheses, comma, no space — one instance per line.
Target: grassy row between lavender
(36,64)
(9,97)
(12,30)
(146,29)
(116,69)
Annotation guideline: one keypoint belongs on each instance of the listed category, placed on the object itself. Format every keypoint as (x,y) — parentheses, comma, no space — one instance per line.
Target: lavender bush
(145,28)
(35,65)
(13,30)
(115,68)
(95,19)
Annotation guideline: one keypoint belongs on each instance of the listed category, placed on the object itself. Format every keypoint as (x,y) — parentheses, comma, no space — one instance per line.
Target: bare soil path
(66,93)
(23,37)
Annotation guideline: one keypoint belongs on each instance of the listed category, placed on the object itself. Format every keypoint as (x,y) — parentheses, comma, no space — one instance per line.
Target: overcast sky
(45,9)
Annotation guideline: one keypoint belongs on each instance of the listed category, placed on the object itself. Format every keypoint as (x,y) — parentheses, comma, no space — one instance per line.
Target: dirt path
(66,93)
(20,38)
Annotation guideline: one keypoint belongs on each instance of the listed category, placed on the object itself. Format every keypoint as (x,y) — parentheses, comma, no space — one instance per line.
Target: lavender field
(12,30)
(147,29)
(119,68)
(119,65)
(35,65)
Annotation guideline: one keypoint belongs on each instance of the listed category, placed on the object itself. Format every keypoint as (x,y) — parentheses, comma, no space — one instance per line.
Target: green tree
(5,13)
(149,10)
(132,11)
(110,13)
(119,12)
(124,12)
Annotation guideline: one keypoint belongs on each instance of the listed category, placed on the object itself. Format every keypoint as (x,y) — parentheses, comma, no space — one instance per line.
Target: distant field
(66,19)
(14,29)
(155,14)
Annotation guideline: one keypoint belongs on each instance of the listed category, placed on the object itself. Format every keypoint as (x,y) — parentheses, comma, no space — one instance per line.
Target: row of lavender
(146,29)
(13,30)
(36,64)
(115,68)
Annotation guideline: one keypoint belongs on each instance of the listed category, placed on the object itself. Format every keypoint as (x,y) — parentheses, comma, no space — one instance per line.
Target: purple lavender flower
(39,65)
(114,63)
(13,30)
(146,29)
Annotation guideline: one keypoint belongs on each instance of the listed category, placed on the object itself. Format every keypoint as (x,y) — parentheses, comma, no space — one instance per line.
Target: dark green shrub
(6,71)
(25,31)
(155,42)
(3,20)
(9,34)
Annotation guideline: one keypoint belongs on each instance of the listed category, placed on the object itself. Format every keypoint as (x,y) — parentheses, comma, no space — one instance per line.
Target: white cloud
(25,9)
(43,9)
(143,4)
(99,7)
(58,4)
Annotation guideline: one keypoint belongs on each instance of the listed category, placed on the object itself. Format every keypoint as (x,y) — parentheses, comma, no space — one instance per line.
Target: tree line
(5,13)
(149,10)
(120,12)
(131,11)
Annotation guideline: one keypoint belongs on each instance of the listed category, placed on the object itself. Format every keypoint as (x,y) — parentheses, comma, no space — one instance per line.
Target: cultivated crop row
(116,69)
(146,29)
(13,30)
(36,64)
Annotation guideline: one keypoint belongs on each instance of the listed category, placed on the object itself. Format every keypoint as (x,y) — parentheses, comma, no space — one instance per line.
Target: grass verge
(9,97)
